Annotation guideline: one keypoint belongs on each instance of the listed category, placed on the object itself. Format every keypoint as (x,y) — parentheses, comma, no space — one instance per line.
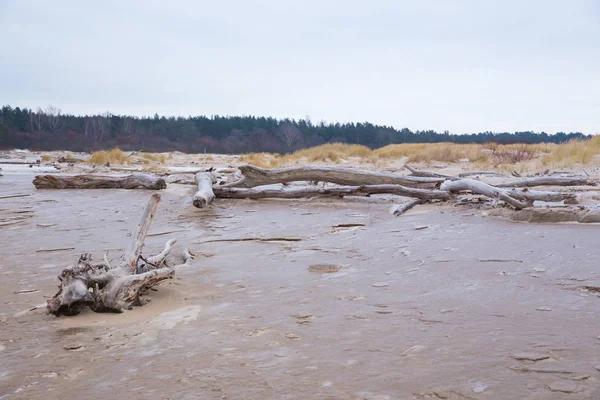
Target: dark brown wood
(133,181)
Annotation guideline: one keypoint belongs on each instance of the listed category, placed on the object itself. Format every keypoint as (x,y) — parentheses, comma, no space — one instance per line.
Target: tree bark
(255,176)
(113,289)
(134,181)
(548,181)
(336,191)
(204,196)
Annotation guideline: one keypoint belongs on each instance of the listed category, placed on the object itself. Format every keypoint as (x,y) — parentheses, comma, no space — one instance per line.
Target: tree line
(50,129)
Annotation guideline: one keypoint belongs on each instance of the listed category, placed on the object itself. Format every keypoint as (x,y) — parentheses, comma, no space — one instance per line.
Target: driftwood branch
(486,173)
(104,288)
(484,189)
(134,181)
(336,191)
(427,174)
(204,196)
(548,181)
(402,208)
(134,251)
(255,176)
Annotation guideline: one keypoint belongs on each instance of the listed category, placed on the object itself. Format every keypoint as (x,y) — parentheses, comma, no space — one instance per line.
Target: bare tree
(36,120)
(289,134)
(128,125)
(94,127)
(53,118)
(98,128)
(87,126)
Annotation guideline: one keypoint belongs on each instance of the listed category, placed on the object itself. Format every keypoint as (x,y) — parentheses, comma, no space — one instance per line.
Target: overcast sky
(462,66)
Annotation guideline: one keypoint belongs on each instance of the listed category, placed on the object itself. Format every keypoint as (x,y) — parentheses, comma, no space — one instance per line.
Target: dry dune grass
(118,157)
(333,152)
(518,157)
(155,157)
(574,152)
(263,160)
(427,152)
(114,156)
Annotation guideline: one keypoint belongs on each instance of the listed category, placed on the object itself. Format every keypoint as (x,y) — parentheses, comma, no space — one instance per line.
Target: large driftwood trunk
(335,191)
(548,181)
(204,196)
(106,288)
(133,181)
(255,176)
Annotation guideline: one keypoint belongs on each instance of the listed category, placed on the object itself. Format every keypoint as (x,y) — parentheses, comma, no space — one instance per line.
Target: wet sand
(439,303)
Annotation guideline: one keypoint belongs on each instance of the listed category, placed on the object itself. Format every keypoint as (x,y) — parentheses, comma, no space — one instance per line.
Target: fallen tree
(133,181)
(333,191)
(254,176)
(113,288)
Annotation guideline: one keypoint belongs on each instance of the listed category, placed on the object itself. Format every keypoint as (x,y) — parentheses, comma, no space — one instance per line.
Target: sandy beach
(441,303)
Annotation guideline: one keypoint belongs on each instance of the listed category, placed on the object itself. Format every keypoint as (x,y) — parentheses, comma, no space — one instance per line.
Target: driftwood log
(133,181)
(20,162)
(548,181)
(333,191)
(204,196)
(255,176)
(114,288)
(535,195)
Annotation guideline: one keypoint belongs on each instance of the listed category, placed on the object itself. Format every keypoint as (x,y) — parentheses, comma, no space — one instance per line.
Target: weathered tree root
(106,288)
